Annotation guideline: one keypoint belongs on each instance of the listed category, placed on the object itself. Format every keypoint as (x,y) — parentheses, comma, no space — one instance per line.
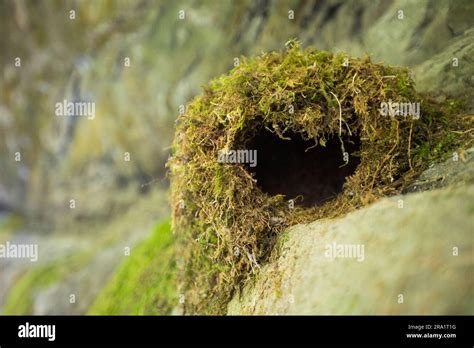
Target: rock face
(77,263)
(412,254)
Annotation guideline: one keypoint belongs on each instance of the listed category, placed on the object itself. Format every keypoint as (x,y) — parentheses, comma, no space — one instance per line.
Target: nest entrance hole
(297,168)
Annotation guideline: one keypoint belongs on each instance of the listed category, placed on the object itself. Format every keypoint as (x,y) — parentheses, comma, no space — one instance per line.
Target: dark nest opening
(300,170)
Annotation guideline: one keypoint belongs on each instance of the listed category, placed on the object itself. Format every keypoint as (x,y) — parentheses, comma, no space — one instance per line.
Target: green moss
(280,243)
(145,282)
(448,131)
(20,298)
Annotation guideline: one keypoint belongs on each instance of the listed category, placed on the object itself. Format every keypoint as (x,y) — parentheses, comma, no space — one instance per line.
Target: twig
(340,113)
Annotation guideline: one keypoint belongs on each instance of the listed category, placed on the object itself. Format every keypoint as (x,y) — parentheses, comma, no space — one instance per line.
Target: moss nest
(323,148)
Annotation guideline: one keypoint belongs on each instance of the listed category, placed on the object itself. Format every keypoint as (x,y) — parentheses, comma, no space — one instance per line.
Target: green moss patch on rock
(145,282)
(20,299)
(322,144)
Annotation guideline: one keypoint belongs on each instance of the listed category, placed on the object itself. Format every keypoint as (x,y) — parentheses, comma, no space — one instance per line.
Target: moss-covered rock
(79,262)
(21,297)
(328,104)
(145,283)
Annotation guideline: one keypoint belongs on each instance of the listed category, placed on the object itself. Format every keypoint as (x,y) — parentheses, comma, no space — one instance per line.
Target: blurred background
(139,61)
